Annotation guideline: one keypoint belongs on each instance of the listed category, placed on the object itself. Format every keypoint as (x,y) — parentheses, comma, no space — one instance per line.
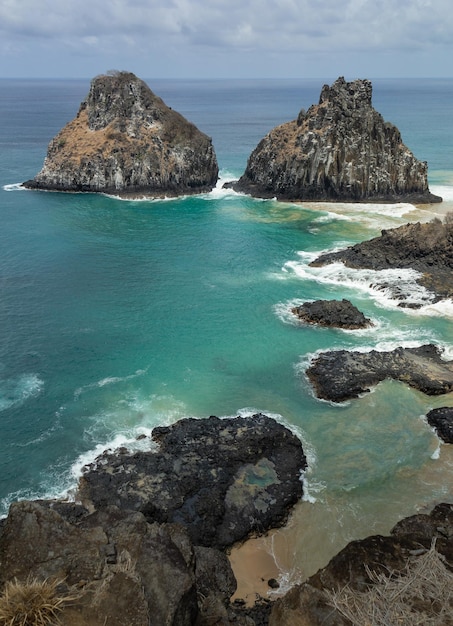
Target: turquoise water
(117,316)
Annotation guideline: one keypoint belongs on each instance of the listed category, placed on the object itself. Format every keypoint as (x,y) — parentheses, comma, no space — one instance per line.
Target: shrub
(32,603)
(422,594)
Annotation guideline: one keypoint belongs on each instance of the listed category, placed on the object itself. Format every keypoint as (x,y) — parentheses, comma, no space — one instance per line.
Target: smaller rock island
(332,313)
(340,150)
(126,141)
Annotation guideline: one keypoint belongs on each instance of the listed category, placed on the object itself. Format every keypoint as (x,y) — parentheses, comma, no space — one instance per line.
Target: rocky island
(341,375)
(341,149)
(126,141)
(332,313)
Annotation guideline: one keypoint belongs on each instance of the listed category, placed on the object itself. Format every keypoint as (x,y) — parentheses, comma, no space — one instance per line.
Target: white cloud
(194,29)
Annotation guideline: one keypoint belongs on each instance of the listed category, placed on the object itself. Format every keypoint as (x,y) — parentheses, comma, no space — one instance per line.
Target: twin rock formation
(126,141)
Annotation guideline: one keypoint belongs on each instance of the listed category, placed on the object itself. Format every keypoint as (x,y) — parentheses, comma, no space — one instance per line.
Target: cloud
(224,27)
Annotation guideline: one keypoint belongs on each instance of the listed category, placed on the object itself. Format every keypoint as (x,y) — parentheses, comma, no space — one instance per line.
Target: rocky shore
(145,541)
(426,248)
(340,150)
(127,142)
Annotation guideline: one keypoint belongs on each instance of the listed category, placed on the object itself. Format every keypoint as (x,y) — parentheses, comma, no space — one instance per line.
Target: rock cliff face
(339,150)
(125,140)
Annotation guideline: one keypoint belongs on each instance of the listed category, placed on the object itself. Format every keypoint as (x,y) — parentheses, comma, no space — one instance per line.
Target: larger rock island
(126,141)
(341,149)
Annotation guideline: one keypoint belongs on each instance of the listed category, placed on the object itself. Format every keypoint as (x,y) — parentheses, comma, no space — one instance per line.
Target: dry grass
(422,594)
(32,603)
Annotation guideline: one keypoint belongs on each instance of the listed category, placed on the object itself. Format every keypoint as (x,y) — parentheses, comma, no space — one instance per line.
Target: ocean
(117,316)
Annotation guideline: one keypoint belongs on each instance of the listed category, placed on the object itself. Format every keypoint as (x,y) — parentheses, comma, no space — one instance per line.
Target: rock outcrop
(332,313)
(126,141)
(222,479)
(427,248)
(428,536)
(339,150)
(341,375)
(143,546)
(441,420)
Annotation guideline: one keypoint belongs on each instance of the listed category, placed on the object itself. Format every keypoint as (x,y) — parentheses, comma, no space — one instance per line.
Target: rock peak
(126,141)
(120,96)
(355,94)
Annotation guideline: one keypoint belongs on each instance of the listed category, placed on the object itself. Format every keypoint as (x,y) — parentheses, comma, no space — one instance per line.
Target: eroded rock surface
(222,479)
(426,248)
(341,375)
(339,150)
(126,141)
(335,313)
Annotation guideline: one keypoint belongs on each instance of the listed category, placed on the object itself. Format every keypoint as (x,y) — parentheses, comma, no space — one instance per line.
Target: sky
(226,38)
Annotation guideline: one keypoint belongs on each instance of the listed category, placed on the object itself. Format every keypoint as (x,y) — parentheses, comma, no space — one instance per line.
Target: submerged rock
(126,141)
(341,375)
(339,150)
(332,313)
(426,248)
(222,479)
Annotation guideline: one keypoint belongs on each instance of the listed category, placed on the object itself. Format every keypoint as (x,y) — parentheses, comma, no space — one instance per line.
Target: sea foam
(390,288)
(15,391)
(14,187)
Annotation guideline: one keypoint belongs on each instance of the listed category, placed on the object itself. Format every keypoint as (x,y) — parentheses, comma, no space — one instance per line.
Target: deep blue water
(116,316)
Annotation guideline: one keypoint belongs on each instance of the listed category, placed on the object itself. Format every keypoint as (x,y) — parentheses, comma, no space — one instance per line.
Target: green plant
(421,594)
(32,603)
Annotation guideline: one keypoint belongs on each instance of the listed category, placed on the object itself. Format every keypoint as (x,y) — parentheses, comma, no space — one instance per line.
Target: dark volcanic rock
(126,141)
(442,421)
(427,248)
(352,566)
(123,568)
(223,479)
(337,313)
(342,375)
(339,150)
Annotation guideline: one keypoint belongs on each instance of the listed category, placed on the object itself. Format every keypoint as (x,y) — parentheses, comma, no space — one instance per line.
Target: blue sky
(227,38)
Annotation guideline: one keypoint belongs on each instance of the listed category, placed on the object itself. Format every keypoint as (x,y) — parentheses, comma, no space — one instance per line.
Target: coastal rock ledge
(146,545)
(126,141)
(339,150)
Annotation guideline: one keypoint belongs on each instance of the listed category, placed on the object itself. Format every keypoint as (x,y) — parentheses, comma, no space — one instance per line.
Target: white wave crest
(108,380)
(444,191)
(390,288)
(14,187)
(15,391)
